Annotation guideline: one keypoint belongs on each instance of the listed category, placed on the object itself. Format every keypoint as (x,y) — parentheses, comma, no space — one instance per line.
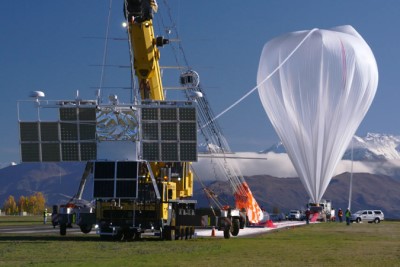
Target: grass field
(324,244)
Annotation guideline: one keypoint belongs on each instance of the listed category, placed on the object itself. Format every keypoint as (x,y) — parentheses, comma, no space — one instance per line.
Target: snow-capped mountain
(4,165)
(372,147)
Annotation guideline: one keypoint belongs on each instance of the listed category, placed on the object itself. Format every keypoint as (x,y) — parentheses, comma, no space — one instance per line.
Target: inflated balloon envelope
(316,87)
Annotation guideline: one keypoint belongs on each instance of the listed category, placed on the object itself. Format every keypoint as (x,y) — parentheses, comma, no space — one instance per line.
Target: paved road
(37,229)
(248,231)
(48,229)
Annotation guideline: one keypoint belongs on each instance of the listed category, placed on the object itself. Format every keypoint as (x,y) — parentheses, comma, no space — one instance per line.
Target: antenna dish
(36,94)
(195,94)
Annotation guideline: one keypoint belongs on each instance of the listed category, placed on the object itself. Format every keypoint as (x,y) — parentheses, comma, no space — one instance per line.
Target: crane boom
(144,46)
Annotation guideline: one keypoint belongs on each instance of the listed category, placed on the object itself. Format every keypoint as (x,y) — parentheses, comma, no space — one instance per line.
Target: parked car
(294,215)
(375,216)
(277,217)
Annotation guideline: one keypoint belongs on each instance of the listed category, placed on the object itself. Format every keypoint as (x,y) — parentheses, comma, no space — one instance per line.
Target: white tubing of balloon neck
(262,82)
(351,174)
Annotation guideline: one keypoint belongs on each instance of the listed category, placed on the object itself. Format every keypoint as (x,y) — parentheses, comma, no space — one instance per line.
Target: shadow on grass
(72,238)
(46,238)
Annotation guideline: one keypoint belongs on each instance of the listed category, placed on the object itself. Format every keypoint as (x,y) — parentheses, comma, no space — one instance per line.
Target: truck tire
(235,227)
(63,229)
(187,233)
(127,234)
(136,236)
(85,228)
(377,220)
(169,233)
(172,234)
(227,232)
(243,223)
(191,232)
(358,220)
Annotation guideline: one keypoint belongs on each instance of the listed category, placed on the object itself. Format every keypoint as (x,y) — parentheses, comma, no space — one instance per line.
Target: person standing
(340,215)
(348,215)
(308,213)
(45,216)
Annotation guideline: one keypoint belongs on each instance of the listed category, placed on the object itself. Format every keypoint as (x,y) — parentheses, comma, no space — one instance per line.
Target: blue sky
(49,46)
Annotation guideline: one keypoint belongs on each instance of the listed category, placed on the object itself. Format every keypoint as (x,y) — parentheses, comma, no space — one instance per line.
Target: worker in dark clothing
(340,215)
(348,216)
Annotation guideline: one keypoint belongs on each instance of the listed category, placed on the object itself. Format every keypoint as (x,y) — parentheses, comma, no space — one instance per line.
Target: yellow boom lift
(162,204)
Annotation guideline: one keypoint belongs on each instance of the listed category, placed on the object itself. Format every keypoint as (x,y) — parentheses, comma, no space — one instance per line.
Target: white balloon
(316,87)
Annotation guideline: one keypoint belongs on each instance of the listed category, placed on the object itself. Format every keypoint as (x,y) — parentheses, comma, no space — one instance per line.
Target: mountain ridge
(372,147)
(376,184)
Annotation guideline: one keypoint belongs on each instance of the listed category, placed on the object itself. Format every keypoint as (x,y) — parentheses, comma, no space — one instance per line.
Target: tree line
(33,204)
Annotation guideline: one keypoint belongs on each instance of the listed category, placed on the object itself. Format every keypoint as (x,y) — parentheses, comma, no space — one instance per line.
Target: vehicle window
(369,212)
(365,212)
(378,212)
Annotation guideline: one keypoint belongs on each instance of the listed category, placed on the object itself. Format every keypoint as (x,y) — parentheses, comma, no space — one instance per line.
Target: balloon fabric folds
(316,87)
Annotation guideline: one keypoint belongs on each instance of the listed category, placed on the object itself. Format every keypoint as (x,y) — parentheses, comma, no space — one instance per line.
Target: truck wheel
(358,220)
(191,232)
(172,234)
(377,220)
(127,235)
(85,228)
(227,232)
(136,236)
(235,227)
(187,232)
(63,229)
(168,233)
(242,223)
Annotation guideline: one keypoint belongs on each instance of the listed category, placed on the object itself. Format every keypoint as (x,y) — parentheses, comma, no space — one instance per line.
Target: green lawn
(324,244)
(20,220)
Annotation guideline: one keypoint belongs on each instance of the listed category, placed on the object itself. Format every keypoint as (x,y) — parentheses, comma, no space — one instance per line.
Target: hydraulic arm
(144,45)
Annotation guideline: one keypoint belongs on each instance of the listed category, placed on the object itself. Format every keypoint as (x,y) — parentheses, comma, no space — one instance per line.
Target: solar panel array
(72,138)
(168,132)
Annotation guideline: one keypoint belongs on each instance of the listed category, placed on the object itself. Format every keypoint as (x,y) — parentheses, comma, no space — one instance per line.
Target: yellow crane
(162,204)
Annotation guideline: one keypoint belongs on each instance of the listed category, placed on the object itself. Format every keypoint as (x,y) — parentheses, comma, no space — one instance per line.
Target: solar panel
(51,152)
(87,131)
(187,114)
(168,114)
(149,131)
(188,152)
(188,131)
(150,151)
(69,152)
(49,131)
(169,152)
(30,152)
(167,130)
(68,114)
(115,179)
(87,114)
(29,131)
(69,131)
